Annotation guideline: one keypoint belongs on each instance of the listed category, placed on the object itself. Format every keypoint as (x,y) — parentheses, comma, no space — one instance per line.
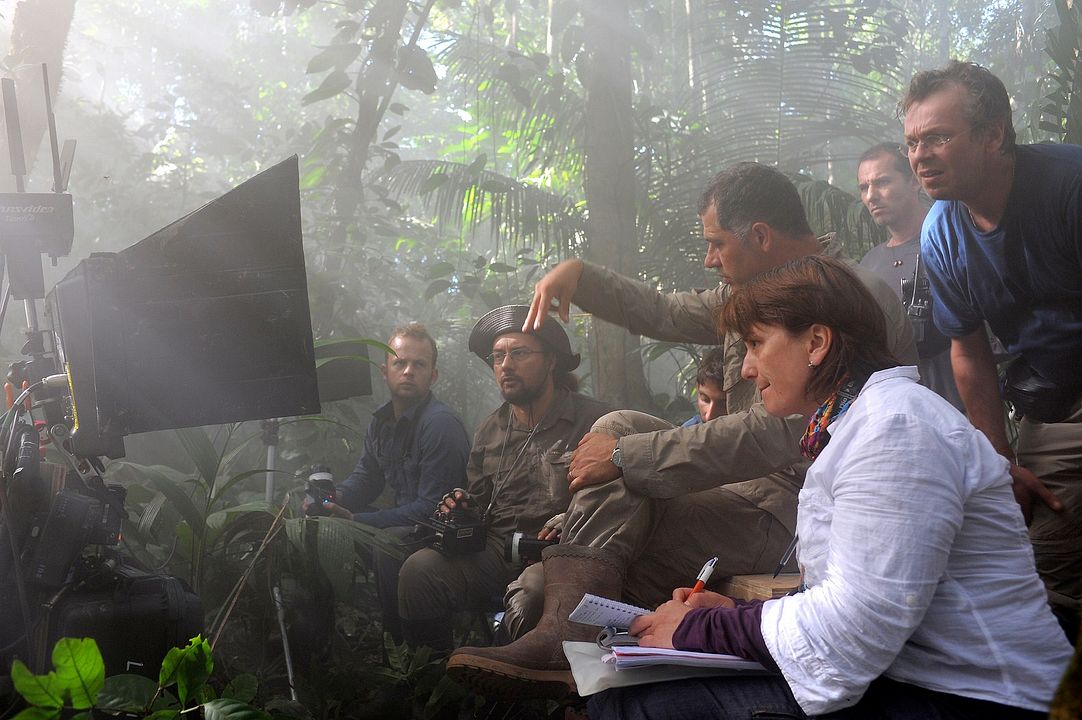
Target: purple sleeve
(731,631)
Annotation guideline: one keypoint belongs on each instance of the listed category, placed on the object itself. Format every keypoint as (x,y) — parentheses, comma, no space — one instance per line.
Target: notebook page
(594,610)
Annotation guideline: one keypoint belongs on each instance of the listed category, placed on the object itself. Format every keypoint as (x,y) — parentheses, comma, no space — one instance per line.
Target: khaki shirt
(745,444)
(532,477)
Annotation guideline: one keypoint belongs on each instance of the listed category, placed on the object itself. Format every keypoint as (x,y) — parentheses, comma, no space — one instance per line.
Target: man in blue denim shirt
(415,444)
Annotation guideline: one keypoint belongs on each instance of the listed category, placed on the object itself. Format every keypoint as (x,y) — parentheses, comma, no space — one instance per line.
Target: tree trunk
(610,191)
(39,33)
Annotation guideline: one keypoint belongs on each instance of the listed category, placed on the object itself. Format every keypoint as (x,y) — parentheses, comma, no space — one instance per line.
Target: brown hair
(988,103)
(749,192)
(712,368)
(417,331)
(892,151)
(817,290)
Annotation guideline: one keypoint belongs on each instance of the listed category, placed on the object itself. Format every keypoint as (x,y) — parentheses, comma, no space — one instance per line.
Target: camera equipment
(1034,396)
(320,489)
(460,532)
(521,549)
(205,321)
(917,299)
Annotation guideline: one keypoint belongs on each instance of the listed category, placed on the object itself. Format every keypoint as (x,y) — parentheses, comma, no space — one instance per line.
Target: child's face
(711,400)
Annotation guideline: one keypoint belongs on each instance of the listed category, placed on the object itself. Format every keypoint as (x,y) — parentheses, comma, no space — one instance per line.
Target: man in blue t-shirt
(1003,244)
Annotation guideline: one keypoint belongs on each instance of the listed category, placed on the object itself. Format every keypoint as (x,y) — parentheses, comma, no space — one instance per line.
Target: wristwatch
(616,458)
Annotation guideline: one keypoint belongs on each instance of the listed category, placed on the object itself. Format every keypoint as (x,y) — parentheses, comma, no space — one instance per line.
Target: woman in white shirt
(922,599)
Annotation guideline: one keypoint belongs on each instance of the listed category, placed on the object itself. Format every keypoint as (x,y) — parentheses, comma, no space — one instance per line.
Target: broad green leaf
(188,667)
(46,691)
(168,482)
(431,183)
(397,108)
(414,70)
(202,452)
(39,713)
(243,688)
(435,288)
(79,666)
(478,164)
(439,270)
(499,267)
(334,56)
(391,133)
(230,709)
(334,83)
(222,518)
(126,692)
(495,186)
(163,715)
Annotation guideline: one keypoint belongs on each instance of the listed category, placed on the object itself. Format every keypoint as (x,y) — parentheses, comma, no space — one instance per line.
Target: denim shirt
(421,455)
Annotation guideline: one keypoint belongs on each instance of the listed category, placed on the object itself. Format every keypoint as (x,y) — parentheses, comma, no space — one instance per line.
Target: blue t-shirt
(1025,276)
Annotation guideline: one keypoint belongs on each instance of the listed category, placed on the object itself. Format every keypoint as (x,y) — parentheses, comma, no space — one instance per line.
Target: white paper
(594,610)
(633,656)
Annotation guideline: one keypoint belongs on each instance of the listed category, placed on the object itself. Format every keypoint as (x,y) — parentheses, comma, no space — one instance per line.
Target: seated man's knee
(628,422)
(422,592)
(524,601)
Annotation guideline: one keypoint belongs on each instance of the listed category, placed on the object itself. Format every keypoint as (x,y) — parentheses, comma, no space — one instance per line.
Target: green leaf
(222,518)
(130,693)
(477,165)
(391,133)
(334,56)
(434,181)
(495,186)
(243,688)
(38,713)
(45,691)
(414,70)
(230,709)
(188,667)
(499,267)
(80,668)
(167,482)
(312,177)
(440,269)
(163,715)
(334,83)
(397,108)
(202,452)
(435,288)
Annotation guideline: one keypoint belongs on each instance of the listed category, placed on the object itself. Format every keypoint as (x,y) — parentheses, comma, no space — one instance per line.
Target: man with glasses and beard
(516,475)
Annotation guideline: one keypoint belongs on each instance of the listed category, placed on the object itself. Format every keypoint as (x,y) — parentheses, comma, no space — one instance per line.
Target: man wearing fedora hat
(516,475)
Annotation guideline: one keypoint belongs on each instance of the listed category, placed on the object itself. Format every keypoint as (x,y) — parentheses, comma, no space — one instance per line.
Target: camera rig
(205,321)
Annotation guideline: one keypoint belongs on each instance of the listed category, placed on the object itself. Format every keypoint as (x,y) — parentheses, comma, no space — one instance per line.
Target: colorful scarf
(816,436)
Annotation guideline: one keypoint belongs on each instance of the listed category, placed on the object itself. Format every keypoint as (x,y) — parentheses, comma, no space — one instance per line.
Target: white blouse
(917,563)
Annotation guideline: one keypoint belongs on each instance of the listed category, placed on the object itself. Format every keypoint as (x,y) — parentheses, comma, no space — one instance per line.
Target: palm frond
(517,212)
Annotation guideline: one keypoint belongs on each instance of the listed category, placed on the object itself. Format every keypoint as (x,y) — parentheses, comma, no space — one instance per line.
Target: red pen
(704,576)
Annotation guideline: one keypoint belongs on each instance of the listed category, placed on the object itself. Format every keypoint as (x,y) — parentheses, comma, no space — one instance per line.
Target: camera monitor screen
(206,321)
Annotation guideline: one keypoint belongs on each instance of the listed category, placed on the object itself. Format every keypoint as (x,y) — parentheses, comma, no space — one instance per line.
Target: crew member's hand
(457,498)
(552,528)
(704,599)
(559,284)
(591,463)
(338,511)
(656,629)
(1028,487)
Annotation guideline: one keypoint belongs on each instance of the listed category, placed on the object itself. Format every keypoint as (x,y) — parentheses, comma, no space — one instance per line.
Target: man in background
(890,191)
(416,445)
(1003,244)
(709,388)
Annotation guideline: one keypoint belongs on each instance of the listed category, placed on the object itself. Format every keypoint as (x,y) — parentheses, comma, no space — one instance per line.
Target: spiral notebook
(594,610)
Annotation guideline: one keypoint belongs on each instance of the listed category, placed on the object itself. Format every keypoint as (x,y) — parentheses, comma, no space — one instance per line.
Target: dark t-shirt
(1025,276)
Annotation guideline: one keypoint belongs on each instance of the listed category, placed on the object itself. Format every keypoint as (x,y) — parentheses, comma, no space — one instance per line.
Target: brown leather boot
(534,665)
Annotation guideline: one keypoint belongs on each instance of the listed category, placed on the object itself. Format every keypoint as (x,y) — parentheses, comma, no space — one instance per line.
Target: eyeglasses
(517,355)
(930,142)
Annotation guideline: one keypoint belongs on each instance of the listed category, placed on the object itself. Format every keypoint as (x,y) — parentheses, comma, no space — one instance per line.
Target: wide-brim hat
(510,318)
